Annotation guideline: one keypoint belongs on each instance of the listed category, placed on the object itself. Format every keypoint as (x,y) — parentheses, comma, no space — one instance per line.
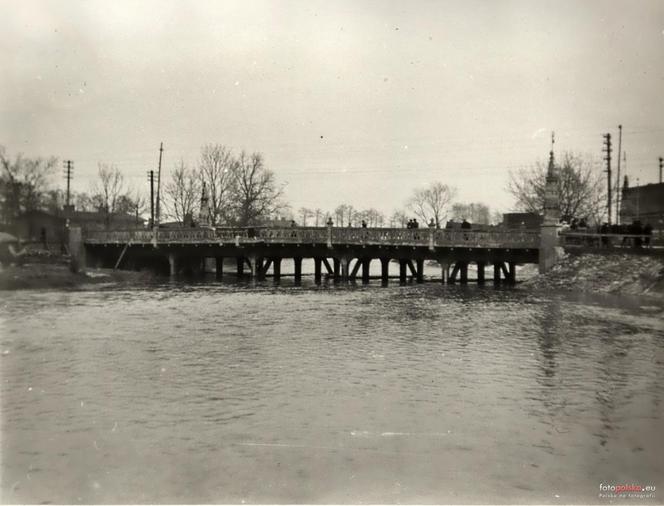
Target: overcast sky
(355,102)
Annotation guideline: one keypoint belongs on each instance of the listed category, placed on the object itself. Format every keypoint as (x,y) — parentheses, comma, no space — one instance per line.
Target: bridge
(339,253)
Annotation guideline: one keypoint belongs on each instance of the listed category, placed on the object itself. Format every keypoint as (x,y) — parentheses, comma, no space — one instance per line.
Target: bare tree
(255,193)
(432,202)
(318,214)
(83,202)
(340,214)
(23,184)
(398,219)
(133,203)
(580,188)
(216,169)
(109,191)
(475,212)
(305,213)
(182,192)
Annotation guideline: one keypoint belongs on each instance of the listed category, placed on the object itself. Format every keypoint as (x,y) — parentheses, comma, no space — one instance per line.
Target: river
(251,393)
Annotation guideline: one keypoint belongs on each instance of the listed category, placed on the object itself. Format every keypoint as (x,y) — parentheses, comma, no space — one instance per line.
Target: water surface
(226,392)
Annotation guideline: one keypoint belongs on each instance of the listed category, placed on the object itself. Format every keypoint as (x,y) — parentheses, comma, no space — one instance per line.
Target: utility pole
(607,150)
(618,175)
(151,179)
(161,150)
(661,164)
(69,165)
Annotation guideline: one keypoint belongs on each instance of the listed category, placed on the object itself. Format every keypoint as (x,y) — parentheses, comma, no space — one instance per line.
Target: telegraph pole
(69,165)
(151,179)
(607,150)
(161,151)
(618,175)
(661,164)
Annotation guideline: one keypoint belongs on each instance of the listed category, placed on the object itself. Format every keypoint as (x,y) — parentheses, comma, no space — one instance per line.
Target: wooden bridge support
(297,263)
(240,266)
(463,272)
(328,268)
(403,265)
(366,264)
(356,268)
(496,273)
(276,269)
(411,267)
(420,270)
(317,270)
(480,272)
(384,270)
(337,269)
(453,275)
(506,274)
(511,278)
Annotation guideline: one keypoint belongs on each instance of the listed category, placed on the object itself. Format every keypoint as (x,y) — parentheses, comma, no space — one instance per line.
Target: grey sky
(356,102)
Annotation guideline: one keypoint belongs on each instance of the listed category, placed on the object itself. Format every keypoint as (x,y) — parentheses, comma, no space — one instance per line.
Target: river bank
(617,274)
(46,275)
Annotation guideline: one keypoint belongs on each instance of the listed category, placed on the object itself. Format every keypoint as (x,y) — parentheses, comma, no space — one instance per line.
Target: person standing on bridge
(432,224)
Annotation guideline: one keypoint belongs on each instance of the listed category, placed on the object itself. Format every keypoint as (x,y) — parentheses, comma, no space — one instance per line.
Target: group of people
(635,234)
(641,234)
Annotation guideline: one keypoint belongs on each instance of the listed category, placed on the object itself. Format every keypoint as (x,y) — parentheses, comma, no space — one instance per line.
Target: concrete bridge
(339,253)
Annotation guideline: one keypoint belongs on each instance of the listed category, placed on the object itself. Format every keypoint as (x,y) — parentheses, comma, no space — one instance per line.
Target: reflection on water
(259,393)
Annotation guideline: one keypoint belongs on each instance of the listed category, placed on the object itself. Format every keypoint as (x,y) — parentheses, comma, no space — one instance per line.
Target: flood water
(229,392)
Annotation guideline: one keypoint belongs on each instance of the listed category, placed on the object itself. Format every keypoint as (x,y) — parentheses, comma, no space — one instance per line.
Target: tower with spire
(204,218)
(548,252)
(551,198)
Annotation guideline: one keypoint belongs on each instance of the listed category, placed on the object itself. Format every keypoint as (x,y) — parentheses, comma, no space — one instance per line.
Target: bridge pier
(240,266)
(384,270)
(443,272)
(366,264)
(403,265)
(276,269)
(463,272)
(297,261)
(317,270)
(337,266)
(496,273)
(420,270)
(256,267)
(480,272)
(511,278)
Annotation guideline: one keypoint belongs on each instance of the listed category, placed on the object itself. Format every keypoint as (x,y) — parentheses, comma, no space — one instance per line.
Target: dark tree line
(240,189)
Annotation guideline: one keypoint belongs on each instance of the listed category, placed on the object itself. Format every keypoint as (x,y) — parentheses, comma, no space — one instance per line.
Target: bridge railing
(498,238)
(606,241)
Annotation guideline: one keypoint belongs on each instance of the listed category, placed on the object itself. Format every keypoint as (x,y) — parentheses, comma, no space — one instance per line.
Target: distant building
(522,220)
(50,229)
(643,203)
(41,226)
